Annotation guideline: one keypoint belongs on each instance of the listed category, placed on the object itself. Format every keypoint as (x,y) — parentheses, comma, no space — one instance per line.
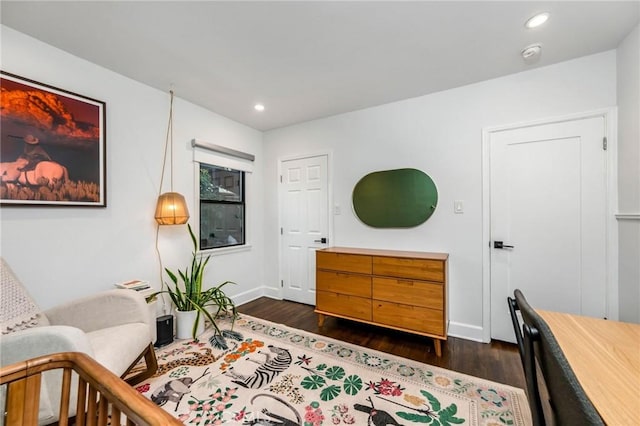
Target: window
(222,207)
(223,174)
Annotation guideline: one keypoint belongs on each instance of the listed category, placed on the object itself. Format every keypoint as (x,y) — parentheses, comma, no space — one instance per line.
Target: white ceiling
(306,60)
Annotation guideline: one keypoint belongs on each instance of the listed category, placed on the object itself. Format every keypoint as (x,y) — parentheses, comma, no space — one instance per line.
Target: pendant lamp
(172,207)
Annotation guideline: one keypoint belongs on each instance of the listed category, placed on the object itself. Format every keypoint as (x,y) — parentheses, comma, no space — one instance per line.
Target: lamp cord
(169,139)
(164,301)
(170,134)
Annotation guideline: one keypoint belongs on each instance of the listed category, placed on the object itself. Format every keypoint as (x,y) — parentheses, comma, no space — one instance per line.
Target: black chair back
(513,311)
(569,403)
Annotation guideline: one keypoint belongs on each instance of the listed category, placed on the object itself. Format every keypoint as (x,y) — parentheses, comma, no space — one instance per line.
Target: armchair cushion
(117,347)
(104,310)
(113,327)
(39,341)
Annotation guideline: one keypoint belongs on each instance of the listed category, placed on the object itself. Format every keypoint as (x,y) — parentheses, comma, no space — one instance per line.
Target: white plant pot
(184,326)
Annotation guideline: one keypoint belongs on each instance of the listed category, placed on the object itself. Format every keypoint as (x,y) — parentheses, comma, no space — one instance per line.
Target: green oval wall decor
(400,198)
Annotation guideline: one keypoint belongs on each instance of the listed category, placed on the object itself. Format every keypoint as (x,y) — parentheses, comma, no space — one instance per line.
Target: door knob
(321,240)
(501,245)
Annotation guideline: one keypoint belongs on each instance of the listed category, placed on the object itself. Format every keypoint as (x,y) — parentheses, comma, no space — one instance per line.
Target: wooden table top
(605,356)
(387,253)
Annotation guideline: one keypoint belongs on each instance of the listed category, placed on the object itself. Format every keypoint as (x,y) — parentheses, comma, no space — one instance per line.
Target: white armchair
(113,327)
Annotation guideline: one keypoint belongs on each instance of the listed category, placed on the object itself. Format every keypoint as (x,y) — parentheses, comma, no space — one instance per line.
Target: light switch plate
(458,206)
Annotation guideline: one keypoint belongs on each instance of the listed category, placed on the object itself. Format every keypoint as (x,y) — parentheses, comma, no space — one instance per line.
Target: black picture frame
(52,146)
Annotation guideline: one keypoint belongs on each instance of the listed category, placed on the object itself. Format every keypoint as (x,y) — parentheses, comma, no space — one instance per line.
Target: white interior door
(549,201)
(305,224)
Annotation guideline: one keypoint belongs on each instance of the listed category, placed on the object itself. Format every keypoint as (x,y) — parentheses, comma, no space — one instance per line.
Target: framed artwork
(52,146)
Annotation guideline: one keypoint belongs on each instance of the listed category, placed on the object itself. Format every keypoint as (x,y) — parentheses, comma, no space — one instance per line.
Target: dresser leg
(321,319)
(438,345)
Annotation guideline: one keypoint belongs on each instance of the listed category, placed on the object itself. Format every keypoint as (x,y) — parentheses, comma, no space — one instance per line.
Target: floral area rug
(263,373)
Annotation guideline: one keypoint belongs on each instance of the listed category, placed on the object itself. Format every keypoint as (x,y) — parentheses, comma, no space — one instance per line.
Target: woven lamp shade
(171,209)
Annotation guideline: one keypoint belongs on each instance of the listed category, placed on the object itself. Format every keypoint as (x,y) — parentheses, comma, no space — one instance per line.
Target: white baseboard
(253,294)
(247,296)
(466,331)
(272,292)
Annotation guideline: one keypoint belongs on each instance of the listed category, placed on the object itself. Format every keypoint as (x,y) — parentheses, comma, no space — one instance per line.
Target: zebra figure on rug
(267,371)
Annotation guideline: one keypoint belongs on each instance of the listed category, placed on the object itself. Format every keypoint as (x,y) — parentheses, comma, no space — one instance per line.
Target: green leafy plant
(187,294)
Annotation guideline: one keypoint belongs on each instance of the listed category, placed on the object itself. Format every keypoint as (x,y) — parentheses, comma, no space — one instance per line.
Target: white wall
(62,253)
(628,73)
(441,135)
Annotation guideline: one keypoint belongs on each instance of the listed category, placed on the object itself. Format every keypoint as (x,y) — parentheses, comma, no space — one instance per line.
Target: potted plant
(188,296)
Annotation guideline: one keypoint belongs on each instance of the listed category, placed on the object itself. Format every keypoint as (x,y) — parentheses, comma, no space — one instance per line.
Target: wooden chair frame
(151,363)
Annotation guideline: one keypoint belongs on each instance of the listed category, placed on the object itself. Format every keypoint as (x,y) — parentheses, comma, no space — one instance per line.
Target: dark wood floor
(497,361)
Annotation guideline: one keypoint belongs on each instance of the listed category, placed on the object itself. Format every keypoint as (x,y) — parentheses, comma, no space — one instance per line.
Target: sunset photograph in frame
(52,145)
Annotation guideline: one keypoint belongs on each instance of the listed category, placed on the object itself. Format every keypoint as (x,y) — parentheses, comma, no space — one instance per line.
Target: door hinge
(281,283)
(604,143)
(280,178)
(281,231)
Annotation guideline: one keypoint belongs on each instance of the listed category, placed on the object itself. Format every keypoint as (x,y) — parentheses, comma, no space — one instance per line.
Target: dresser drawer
(343,262)
(410,317)
(340,282)
(421,269)
(409,292)
(342,304)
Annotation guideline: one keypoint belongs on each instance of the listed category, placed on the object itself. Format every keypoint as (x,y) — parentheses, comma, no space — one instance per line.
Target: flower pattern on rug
(276,375)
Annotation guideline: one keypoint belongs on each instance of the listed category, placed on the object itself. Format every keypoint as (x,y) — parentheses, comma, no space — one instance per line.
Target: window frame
(207,153)
(242,203)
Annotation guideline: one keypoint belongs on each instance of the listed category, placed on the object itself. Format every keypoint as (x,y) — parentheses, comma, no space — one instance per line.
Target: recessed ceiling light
(258,107)
(537,20)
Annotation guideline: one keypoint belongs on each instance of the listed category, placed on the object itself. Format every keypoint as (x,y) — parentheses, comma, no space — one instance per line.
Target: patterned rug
(263,373)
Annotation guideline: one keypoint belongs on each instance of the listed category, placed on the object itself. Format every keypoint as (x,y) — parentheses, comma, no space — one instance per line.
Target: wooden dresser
(396,289)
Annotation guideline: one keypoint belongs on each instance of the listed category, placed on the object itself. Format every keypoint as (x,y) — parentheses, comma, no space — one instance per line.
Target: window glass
(222,207)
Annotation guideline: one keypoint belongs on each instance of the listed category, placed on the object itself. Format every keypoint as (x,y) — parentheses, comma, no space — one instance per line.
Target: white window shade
(208,153)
